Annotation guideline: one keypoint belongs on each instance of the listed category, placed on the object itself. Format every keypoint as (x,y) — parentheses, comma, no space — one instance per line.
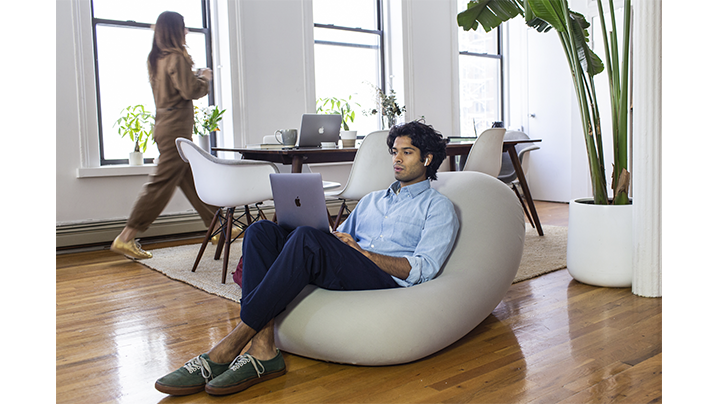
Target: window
(349,55)
(122,40)
(481,76)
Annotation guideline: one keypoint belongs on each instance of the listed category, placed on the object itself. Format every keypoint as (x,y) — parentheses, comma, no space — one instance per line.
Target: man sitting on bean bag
(398,237)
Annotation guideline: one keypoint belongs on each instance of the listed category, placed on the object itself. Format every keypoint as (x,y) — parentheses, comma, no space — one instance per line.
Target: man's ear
(428,160)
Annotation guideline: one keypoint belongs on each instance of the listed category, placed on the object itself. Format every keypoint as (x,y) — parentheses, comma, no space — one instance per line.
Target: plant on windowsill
(571,28)
(387,107)
(344,108)
(138,124)
(206,122)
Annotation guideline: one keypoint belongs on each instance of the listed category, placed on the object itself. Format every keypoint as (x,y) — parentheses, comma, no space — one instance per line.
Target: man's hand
(398,267)
(349,240)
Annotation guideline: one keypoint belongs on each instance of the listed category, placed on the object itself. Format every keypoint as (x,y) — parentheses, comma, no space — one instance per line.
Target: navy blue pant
(278,264)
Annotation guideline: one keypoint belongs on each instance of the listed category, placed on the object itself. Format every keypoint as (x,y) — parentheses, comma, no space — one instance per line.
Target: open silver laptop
(316,128)
(299,201)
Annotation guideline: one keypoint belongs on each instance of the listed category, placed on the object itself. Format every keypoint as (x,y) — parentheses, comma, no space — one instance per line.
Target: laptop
(316,128)
(299,201)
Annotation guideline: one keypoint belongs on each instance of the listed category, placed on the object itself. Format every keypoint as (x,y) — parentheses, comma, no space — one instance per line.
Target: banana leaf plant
(572,29)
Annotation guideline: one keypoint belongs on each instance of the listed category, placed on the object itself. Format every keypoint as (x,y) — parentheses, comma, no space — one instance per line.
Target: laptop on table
(317,128)
(299,201)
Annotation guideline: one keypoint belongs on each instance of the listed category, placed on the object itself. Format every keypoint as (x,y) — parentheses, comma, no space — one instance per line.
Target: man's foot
(130,249)
(192,377)
(244,372)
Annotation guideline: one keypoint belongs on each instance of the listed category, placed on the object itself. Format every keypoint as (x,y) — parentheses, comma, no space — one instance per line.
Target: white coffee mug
(287,137)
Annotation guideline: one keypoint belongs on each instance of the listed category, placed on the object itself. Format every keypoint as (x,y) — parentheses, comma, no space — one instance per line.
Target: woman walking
(174,85)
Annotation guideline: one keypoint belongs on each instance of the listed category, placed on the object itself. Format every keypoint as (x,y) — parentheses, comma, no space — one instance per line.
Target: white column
(647,148)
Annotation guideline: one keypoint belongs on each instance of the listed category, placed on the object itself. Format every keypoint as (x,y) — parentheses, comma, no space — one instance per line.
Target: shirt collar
(413,190)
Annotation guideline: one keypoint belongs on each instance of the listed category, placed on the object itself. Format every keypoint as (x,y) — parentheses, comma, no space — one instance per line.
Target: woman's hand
(207,73)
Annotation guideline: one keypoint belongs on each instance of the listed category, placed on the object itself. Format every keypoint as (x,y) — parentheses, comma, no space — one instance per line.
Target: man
(394,238)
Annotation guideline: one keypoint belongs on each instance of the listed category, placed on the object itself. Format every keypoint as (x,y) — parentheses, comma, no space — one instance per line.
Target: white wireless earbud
(427,161)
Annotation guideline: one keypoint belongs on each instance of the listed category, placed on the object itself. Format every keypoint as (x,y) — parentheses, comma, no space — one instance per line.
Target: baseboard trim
(104,232)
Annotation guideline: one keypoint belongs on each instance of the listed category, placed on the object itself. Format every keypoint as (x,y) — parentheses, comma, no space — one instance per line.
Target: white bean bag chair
(394,326)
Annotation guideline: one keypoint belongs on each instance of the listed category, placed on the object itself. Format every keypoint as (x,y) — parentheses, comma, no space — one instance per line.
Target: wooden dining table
(296,157)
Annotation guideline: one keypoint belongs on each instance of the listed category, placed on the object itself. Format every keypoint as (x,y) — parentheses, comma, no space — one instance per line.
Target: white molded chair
(486,153)
(507,171)
(227,184)
(401,325)
(371,171)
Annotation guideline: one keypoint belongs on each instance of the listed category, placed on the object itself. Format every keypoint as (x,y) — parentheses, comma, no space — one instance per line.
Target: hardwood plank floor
(120,326)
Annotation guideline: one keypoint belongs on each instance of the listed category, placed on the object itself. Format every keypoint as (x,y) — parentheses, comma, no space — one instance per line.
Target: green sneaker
(192,377)
(244,372)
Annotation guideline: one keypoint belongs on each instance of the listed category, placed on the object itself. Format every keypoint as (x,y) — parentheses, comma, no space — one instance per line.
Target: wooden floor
(120,326)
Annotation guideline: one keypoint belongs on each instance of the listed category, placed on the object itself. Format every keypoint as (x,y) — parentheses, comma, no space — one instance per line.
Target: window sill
(120,170)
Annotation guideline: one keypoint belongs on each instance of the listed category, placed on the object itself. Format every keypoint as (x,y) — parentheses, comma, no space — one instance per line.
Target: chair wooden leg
(339,216)
(208,235)
(228,240)
(522,202)
(222,238)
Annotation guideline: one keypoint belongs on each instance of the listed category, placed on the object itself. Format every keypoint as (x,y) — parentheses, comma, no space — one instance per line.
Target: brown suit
(174,88)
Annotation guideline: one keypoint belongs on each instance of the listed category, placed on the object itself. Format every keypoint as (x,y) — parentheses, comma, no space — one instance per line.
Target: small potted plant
(137,123)
(387,107)
(342,107)
(206,121)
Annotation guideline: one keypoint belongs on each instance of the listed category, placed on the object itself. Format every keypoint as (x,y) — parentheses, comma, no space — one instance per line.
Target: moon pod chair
(401,325)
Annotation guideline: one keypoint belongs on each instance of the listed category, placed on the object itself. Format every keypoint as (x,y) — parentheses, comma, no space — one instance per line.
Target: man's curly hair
(425,138)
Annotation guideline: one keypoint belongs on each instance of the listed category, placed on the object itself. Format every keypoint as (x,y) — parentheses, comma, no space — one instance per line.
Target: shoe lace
(241,360)
(199,363)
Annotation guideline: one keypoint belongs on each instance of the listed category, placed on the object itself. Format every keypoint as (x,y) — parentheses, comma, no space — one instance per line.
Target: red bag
(237,275)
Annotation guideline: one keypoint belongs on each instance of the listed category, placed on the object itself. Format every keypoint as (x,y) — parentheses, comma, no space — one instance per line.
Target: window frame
(94,22)
(379,31)
(500,57)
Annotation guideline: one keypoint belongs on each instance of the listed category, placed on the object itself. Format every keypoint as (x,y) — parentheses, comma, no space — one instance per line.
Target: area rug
(540,256)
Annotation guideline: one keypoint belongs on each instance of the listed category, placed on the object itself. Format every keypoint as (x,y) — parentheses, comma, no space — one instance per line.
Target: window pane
(148,11)
(342,71)
(476,41)
(480,96)
(123,80)
(346,13)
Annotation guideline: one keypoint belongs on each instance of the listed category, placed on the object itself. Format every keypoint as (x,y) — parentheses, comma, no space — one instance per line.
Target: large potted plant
(206,122)
(137,123)
(599,228)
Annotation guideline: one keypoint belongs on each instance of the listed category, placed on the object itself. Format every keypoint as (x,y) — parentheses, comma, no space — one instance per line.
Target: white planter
(203,142)
(600,246)
(136,158)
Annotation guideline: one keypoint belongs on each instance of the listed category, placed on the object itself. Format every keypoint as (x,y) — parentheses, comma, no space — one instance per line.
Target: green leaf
(591,62)
(549,11)
(488,13)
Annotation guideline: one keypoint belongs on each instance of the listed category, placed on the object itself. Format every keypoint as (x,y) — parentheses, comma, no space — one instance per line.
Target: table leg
(297,162)
(523,184)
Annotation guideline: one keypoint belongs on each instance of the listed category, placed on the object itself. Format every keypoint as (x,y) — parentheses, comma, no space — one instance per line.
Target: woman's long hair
(169,37)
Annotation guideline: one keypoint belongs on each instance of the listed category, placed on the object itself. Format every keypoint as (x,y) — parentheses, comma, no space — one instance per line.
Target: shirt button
(372,245)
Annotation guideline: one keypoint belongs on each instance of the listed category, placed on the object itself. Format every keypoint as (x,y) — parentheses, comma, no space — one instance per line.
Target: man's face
(407,162)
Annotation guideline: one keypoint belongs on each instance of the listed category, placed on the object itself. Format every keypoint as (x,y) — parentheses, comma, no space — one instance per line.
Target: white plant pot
(599,249)
(136,158)
(203,142)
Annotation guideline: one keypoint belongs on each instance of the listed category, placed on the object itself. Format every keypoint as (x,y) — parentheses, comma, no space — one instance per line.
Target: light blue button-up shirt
(417,223)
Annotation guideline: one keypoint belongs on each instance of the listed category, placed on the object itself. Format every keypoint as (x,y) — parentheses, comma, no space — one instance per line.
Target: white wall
(269,57)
